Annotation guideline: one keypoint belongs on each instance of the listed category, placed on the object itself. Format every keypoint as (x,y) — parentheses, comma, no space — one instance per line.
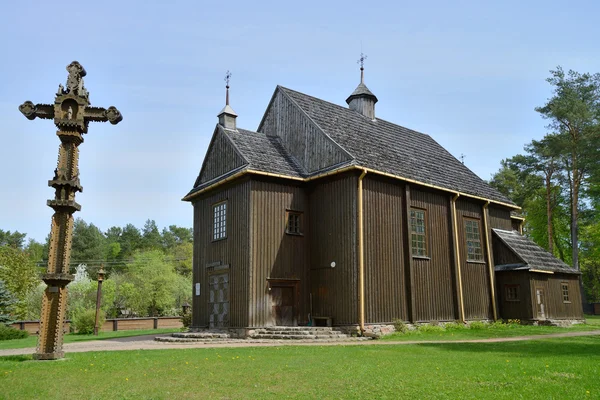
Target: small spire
(227,116)
(361,61)
(227,77)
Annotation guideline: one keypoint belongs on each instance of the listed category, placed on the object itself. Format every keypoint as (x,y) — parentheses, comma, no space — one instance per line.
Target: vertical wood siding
(514,309)
(499,218)
(385,293)
(276,254)
(300,136)
(434,299)
(332,220)
(475,275)
(233,251)
(555,307)
(220,158)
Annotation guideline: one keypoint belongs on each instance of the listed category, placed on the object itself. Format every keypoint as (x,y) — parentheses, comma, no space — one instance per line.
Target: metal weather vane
(71,113)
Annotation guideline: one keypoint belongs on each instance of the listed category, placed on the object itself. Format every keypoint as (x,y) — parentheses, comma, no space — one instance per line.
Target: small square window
(565,292)
(512,292)
(293,224)
(220,221)
(418,233)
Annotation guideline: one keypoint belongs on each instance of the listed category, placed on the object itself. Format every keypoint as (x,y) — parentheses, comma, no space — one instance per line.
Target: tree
(19,274)
(14,239)
(151,238)
(88,242)
(7,304)
(574,114)
(130,241)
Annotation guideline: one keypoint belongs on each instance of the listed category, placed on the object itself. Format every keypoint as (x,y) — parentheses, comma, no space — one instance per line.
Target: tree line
(556,180)
(148,271)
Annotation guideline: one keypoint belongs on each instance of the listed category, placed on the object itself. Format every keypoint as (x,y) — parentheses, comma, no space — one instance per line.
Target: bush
(430,329)
(400,326)
(84,320)
(455,326)
(9,333)
(477,325)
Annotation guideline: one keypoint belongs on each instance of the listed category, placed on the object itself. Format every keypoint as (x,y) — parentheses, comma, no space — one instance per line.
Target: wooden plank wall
(300,136)
(502,254)
(521,309)
(433,281)
(276,254)
(385,290)
(475,275)
(233,251)
(499,218)
(333,220)
(555,307)
(220,158)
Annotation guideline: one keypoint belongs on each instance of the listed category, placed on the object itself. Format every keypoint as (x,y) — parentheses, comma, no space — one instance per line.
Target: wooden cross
(361,61)
(71,113)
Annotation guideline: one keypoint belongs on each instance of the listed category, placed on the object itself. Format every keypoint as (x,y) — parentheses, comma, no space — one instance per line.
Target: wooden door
(282,300)
(218,300)
(540,303)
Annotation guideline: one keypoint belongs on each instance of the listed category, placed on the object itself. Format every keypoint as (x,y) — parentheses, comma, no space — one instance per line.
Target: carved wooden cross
(71,113)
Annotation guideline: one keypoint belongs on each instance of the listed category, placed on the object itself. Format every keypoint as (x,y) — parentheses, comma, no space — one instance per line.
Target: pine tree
(7,304)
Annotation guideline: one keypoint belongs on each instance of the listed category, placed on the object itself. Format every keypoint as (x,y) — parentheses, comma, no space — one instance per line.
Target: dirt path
(147,342)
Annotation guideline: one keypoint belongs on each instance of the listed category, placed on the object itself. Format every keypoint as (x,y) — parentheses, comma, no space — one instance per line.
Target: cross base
(49,356)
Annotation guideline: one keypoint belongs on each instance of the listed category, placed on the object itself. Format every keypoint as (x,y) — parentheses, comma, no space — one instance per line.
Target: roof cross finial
(227,77)
(361,61)
(462,158)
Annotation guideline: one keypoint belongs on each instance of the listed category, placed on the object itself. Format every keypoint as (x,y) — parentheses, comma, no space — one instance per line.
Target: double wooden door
(282,305)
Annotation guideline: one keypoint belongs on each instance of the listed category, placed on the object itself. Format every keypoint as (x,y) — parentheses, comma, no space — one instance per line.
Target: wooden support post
(490,263)
(361,255)
(410,287)
(460,307)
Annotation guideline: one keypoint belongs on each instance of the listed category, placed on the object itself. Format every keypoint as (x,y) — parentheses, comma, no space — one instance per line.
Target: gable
(301,137)
(221,157)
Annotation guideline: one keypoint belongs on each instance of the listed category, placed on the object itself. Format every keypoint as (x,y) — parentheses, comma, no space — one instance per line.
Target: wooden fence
(112,324)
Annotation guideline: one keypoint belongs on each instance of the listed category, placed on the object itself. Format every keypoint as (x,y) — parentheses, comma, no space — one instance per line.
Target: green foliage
(400,326)
(14,239)
(10,333)
(19,274)
(83,321)
(33,302)
(476,325)
(7,304)
(455,326)
(427,328)
(88,243)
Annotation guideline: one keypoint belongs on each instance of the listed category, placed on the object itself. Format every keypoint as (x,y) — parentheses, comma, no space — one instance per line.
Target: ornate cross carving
(71,113)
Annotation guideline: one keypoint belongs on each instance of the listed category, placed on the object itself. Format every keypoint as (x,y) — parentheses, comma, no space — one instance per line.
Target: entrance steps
(264,335)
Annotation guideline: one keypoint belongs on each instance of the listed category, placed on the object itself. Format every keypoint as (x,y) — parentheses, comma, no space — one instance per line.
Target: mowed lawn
(565,368)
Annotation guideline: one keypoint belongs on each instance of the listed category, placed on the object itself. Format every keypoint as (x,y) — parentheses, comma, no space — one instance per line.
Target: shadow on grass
(17,358)
(568,347)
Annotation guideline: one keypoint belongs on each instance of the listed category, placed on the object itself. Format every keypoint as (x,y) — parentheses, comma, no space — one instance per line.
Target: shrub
(186,320)
(9,333)
(400,326)
(84,320)
(430,329)
(477,325)
(454,326)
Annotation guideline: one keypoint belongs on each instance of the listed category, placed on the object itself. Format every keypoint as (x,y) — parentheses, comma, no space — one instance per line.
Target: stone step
(257,340)
(299,328)
(297,337)
(201,335)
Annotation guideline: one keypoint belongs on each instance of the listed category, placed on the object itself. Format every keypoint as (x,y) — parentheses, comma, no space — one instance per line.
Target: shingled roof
(375,144)
(532,256)
(264,153)
(390,148)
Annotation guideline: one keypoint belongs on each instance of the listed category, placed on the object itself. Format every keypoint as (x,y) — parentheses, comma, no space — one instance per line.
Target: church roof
(264,153)
(393,149)
(532,256)
(375,144)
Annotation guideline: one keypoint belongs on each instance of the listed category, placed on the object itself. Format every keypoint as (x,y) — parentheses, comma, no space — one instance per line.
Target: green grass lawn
(490,331)
(31,341)
(565,368)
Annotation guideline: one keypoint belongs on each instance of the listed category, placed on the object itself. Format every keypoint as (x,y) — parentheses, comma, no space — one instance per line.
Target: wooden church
(330,215)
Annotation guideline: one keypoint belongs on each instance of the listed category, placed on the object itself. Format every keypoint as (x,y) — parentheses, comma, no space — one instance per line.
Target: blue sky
(469,73)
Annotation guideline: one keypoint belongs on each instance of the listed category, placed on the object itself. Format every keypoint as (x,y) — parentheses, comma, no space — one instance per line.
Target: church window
(565,292)
(418,232)
(220,221)
(512,292)
(293,224)
(473,236)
